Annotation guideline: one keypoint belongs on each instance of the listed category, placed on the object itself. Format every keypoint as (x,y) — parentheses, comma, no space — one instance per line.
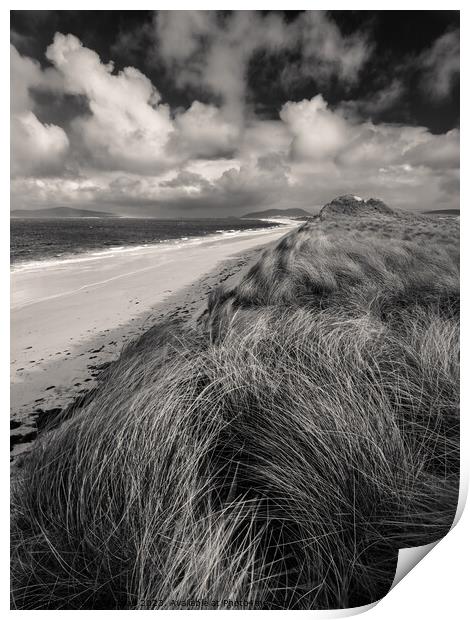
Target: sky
(215,114)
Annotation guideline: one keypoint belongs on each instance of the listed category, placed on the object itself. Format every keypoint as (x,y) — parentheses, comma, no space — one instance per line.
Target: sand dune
(279,452)
(69,317)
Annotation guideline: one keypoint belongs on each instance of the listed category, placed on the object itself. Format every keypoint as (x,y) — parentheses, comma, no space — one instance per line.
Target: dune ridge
(280,454)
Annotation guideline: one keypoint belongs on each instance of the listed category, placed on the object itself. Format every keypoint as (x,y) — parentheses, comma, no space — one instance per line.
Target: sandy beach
(72,317)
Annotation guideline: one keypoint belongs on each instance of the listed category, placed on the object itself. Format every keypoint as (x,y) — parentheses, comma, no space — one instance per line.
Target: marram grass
(280,456)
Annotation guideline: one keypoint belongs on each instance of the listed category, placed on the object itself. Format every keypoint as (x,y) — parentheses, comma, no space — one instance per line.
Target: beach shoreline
(70,319)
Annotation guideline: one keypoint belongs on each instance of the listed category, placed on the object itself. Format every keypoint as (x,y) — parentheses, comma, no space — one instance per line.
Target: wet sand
(69,320)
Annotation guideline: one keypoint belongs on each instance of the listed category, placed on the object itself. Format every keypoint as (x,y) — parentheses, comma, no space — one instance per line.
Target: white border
(438,587)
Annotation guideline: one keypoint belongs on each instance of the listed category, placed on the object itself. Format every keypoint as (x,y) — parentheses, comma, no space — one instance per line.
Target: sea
(35,240)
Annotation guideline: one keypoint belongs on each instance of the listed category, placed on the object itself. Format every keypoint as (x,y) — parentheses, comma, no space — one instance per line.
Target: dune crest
(355,206)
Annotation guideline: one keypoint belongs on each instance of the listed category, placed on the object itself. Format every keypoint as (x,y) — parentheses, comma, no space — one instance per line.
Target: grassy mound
(282,457)
(355,206)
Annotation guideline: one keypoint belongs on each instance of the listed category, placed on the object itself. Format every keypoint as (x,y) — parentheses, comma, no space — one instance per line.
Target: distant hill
(278,213)
(58,212)
(443,212)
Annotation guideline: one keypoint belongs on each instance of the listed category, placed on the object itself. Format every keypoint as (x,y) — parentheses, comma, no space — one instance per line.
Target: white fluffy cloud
(406,166)
(441,152)
(320,134)
(317,132)
(26,74)
(205,50)
(36,148)
(203,131)
(128,126)
(130,152)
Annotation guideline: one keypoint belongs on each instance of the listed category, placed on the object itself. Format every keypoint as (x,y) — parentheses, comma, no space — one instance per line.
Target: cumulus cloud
(128,126)
(203,131)
(262,137)
(322,134)
(331,154)
(440,152)
(318,133)
(203,48)
(36,148)
(311,154)
(209,50)
(25,75)
(441,64)
(237,190)
(180,33)
(134,155)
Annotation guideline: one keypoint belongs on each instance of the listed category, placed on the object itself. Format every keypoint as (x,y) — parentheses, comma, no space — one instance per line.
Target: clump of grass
(283,457)
(321,264)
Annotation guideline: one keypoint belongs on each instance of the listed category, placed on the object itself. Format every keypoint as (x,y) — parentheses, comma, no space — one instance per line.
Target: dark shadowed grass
(283,457)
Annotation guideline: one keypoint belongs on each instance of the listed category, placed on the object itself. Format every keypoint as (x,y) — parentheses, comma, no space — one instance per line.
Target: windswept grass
(282,457)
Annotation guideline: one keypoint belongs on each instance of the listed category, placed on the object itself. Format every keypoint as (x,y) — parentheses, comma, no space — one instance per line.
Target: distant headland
(58,212)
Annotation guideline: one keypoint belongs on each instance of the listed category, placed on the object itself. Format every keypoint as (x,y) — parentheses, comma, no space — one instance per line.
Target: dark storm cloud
(229,111)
